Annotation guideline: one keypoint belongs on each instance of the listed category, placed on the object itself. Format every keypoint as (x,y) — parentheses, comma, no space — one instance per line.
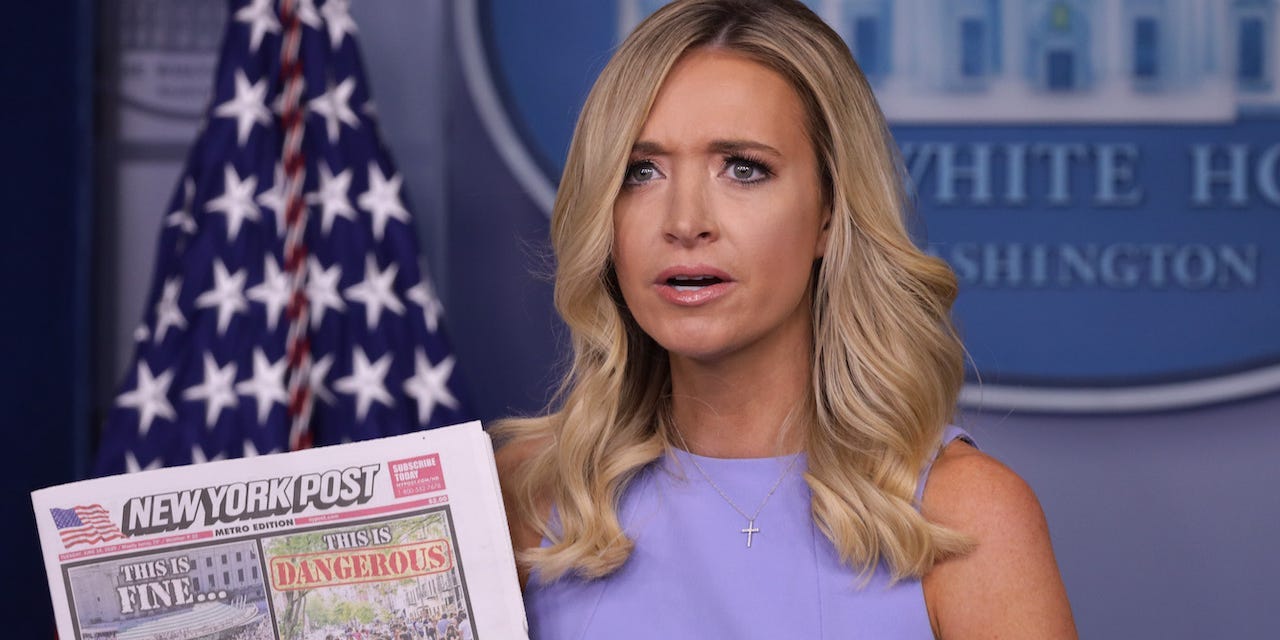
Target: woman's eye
(747,171)
(640,172)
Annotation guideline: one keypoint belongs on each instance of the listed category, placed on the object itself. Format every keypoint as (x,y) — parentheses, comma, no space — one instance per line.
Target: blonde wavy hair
(887,364)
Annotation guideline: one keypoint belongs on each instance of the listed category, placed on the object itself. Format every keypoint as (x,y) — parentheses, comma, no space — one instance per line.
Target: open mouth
(692,283)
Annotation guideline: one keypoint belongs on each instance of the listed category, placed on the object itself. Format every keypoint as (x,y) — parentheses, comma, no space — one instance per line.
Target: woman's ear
(824,235)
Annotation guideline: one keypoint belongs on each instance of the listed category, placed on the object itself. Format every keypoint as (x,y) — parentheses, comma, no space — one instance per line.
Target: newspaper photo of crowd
(446,625)
(317,594)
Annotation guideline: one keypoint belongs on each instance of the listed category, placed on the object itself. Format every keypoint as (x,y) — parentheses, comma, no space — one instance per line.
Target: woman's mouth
(692,283)
(693,286)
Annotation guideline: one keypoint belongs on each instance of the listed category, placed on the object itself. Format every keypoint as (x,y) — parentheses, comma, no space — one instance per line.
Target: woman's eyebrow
(739,146)
(647,148)
(650,148)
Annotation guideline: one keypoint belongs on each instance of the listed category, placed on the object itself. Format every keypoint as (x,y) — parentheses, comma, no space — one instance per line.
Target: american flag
(85,525)
(210,376)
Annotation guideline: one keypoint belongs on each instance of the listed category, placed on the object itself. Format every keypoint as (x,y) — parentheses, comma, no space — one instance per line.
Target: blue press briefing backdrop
(1103,176)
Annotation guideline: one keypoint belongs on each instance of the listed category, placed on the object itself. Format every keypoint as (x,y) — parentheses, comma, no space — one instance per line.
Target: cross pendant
(750,531)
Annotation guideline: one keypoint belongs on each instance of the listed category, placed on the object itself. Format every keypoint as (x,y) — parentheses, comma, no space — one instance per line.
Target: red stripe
(93,535)
(291,119)
(298,399)
(94,526)
(298,351)
(295,163)
(298,347)
(108,528)
(72,541)
(293,259)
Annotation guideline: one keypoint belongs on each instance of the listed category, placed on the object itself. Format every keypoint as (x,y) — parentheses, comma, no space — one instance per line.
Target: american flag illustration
(85,525)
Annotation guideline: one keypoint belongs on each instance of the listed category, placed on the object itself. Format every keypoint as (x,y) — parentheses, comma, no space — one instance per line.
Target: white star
(261,17)
(181,217)
(273,292)
(334,105)
(266,385)
(332,197)
(227,295)
(215,390)
(337,15)
(375,292)
(150,397)
(322,290)
(251,450)
(131,463)
(273,199)
(320,371)
(247,107)
(236,201)
(382,200)
(429,385)
(366,382)
(307,14)
(168,314)
(198,455)
(425,296)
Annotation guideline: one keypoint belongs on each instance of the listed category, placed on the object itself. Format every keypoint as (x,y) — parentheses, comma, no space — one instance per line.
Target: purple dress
(691,574)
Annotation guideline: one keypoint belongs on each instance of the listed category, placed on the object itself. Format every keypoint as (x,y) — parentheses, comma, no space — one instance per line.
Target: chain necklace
(751,529)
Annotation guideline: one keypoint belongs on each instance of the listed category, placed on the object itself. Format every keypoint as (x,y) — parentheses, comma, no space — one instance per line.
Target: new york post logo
(252,500)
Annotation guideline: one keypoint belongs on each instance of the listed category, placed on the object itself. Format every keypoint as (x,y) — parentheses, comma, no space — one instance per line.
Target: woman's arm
(1009,585)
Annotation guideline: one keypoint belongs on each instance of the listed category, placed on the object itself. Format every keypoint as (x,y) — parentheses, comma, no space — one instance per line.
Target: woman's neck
(751,405)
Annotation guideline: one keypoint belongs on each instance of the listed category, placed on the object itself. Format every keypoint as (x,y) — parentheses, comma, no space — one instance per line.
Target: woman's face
(721,215)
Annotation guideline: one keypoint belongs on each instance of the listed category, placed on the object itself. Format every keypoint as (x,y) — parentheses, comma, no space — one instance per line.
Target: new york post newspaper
(398,537)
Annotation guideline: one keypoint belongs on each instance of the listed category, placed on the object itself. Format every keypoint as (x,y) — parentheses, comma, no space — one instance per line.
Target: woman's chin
(698,350)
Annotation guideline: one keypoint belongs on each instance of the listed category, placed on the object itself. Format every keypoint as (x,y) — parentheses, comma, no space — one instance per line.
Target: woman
(764,368)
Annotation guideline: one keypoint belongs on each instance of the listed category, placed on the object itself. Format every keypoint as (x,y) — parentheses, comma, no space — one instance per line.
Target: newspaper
(397,537)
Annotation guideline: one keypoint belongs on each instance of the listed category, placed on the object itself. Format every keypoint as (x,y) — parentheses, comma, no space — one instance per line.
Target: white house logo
(1103,175)
(167,53)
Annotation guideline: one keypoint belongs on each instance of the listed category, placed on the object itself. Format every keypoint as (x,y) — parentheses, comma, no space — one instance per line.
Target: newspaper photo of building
(213,592)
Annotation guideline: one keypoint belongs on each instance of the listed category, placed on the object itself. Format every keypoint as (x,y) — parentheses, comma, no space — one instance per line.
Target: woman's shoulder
(1010,579)
(967,484)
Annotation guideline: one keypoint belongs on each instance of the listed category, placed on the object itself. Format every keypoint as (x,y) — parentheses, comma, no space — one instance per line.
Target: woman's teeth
(691,283)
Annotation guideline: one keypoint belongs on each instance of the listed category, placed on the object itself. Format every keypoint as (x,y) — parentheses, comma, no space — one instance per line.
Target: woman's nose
(690,217)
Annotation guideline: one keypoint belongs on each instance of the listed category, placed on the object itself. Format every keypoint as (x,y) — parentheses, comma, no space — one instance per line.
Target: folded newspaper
(402,537)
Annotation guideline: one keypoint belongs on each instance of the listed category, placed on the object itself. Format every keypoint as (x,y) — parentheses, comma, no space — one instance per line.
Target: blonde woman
(763,369)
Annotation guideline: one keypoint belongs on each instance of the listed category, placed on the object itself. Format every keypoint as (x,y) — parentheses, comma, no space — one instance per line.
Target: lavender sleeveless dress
(691,574)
